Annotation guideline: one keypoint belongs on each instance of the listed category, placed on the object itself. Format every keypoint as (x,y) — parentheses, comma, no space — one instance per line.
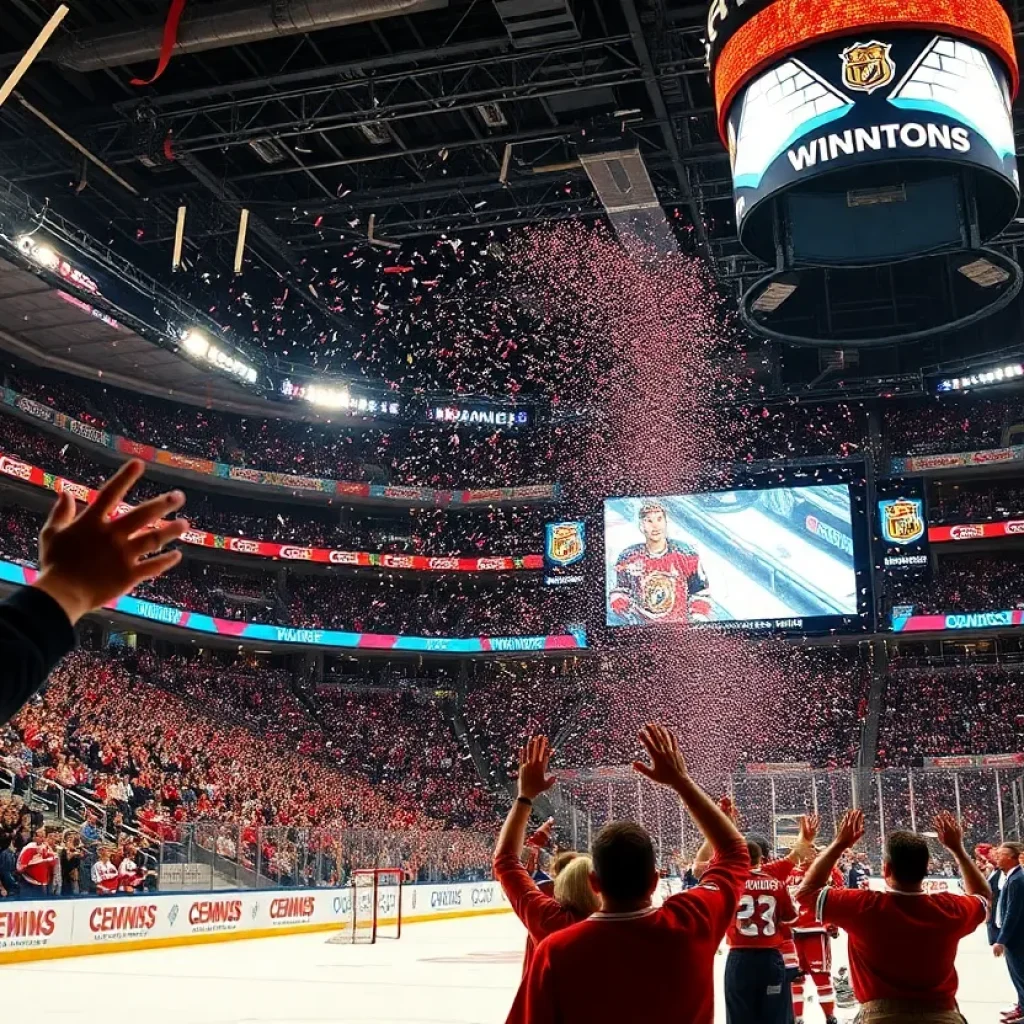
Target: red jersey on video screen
(667,587)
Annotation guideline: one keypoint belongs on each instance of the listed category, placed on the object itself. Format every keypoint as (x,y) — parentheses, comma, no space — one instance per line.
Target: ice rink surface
(450,972)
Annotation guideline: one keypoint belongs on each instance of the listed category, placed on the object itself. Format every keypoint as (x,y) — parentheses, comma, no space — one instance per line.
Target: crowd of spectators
(949,424)
(562,700)
(168,745)
(451,605)
(494,530)
(19,533)
(381,732)
(982,502)
(426,456)
(384,603)
(941,711)
(800,430)
(575,704)
(963,583)
(820,721)
(447,606)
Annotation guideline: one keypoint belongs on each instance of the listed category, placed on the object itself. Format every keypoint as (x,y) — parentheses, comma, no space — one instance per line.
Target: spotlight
(196,343)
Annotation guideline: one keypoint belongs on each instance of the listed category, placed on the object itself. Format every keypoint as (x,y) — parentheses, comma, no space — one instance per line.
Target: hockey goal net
(375,906)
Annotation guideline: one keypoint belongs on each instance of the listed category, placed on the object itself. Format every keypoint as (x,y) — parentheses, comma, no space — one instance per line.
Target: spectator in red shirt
(36,864)
(574,899)
(903,941)
(663,957)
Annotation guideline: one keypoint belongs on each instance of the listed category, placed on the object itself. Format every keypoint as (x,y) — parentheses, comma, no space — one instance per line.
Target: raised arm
(706,851)
(533,780)
(951,835)
(668,768)
(849,833)
(85,560)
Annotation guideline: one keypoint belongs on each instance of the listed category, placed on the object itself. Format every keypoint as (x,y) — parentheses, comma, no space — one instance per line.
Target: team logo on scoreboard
(902,520)
(565,543)
(658,593)
(867,66)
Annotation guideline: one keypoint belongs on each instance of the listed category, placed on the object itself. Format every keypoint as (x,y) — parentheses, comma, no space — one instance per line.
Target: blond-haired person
(574,899)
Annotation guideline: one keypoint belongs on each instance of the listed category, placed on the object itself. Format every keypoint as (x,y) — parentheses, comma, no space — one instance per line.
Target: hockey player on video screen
(660,580)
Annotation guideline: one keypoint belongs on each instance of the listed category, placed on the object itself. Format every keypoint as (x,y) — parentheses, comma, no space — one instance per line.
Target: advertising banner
(956,460)
(286,552)
(39,929)
(479,415)
(904,622)
(975,761)
(199,622)
(266,478)
(976,531)
(31,927)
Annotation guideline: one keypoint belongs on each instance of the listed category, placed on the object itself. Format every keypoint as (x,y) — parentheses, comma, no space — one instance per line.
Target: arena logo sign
(479,416)
(26,928)
(975,620)
(441,898)
(291,908)
(829,534)
(12,467)
(215,915)
(343,558)
(299,636)
(854,141)
(120,922)
(158,612)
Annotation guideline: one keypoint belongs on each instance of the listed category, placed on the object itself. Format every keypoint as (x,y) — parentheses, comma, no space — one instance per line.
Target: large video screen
(778,557)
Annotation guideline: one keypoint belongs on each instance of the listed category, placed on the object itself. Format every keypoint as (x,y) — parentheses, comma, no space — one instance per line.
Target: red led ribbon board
(976,531)
(789,25)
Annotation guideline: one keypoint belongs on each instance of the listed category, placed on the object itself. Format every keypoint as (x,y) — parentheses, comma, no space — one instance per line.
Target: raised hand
(809,825)
(850,831)
(533,768)
(667,767)
(542,837)
(950,831)
(87,560)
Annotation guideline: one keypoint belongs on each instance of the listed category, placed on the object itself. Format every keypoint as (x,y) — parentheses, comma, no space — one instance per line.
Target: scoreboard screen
(775,558)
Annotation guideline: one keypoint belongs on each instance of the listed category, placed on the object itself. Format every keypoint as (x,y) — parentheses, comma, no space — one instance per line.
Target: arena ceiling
(415,118)
(463,114)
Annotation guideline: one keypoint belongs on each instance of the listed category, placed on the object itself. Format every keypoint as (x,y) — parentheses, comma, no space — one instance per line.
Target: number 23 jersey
(765,907)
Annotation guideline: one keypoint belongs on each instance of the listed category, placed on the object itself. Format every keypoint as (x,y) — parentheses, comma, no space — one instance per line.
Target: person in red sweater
(632,961)
(573,899)
(36,864)
(903,941)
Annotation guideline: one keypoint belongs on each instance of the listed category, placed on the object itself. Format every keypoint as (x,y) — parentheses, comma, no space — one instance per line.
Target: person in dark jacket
(85,561)
(1006,930)
(9,884)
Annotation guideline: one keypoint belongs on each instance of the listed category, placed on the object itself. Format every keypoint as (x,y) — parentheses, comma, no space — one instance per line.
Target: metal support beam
(657,100)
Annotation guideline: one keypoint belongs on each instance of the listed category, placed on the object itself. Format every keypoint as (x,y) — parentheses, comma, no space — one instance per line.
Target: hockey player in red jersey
(813,939)
(660,580)
(781,869)
(756,989)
